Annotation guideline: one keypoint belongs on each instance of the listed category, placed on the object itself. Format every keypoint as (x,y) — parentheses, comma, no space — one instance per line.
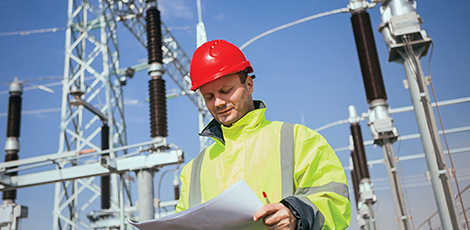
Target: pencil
(266,198)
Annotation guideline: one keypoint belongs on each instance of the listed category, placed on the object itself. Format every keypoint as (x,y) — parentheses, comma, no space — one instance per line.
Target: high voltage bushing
(10,194)
(158,121)
(13,132)
(105,137)
(154,36)
(157,92)
(105,192)
(368,58)
(105,180)
(355,182)
(359,156)
(14,116)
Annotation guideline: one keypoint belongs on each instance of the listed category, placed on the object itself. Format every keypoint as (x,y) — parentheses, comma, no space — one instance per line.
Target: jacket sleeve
(185,177)
(321,198)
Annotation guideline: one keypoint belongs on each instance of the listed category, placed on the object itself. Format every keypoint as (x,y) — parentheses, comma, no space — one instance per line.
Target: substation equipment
(92,111)
(92,75)
(407,43)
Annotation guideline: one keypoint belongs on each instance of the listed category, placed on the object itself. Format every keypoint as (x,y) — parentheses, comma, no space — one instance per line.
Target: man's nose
(219,102)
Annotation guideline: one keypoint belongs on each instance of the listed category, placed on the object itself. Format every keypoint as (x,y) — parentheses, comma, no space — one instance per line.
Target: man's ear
(249,84)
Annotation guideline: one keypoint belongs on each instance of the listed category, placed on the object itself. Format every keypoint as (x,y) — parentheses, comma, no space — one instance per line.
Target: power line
(40,86)
(35,87)
(55,29)
(394,110)
(409,137)
(370,163)
(28,32)
(342,10)
(39,111)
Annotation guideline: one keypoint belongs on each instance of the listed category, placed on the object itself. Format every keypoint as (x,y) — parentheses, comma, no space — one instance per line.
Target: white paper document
(232,209)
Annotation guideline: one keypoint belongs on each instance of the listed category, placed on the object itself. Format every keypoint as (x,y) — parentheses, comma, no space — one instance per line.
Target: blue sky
(307,74)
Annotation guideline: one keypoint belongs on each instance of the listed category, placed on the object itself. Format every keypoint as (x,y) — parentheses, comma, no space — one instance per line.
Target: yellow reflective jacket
(292,163)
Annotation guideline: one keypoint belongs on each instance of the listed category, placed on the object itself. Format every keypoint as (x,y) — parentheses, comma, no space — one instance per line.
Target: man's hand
(276,217)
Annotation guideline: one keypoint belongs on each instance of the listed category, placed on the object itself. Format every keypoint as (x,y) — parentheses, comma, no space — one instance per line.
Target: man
(293,164)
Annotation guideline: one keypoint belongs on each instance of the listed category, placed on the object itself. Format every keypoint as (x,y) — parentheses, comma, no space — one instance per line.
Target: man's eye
(208,97)
(226,90)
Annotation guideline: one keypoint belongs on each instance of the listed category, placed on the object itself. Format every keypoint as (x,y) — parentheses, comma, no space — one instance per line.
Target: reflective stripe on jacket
(292,163)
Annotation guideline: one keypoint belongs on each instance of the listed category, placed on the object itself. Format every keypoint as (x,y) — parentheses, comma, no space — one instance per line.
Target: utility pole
(380,120)
(407,43)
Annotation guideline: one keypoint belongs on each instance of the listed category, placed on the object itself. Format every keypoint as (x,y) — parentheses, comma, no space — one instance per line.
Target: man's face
(227,99)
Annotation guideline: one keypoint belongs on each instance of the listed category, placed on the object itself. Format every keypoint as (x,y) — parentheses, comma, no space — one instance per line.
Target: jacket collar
(214,128)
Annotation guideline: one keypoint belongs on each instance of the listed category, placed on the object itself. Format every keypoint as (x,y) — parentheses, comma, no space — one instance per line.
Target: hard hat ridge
(215,59)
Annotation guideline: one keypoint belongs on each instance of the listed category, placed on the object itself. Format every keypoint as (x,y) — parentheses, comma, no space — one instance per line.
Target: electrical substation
(101,180)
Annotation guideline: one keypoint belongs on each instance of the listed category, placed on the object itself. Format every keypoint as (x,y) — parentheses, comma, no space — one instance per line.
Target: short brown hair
(242,75)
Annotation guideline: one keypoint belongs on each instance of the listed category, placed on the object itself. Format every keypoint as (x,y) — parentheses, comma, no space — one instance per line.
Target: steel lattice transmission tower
(91,99)
(92,104)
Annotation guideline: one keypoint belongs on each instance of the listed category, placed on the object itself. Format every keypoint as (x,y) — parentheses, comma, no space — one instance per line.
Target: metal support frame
(90,50)
(10,214)
(385,134)
(90,165)
(145,191)
(366,204)
(94,166)
(407,43)
(92,81)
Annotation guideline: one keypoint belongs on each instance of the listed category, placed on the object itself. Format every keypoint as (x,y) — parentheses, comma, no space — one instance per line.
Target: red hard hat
(215,59)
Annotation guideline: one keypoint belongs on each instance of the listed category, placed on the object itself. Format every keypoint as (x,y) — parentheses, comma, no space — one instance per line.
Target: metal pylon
(91,96)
